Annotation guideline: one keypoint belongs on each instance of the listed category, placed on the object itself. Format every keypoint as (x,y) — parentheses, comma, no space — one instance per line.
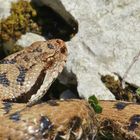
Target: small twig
(135,59)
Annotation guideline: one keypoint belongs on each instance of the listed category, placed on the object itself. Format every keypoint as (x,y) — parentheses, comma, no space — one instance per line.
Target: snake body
(25,78)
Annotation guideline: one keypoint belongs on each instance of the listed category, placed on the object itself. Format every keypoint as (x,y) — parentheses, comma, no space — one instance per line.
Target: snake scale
(25,78)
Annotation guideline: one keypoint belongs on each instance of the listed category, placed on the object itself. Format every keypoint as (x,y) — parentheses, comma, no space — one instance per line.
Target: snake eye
(50,46)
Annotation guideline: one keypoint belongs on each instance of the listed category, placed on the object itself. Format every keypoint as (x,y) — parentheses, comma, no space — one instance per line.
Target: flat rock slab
(107,41)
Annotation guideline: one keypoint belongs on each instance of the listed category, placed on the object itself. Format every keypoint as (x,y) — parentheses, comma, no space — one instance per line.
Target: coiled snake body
(24,79)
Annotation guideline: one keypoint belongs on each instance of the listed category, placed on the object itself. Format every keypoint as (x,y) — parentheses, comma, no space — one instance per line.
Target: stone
(29,38)
(4,12)
(67,94)
(107,42)
(59,8)
(5,7)
(25,41)
(82,60)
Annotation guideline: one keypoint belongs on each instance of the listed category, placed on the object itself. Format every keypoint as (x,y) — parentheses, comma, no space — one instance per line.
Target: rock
(5,7)
(107,42)
(27,39)
(80,63)
(67,94)
(59,8)
(82,59)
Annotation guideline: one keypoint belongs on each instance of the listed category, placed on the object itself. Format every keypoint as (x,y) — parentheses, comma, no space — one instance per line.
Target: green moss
(19,22)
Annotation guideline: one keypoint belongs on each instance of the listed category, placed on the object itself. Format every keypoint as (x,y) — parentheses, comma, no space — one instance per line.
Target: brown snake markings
(6,61)
(3,80)
(24,78)
(7,107)
(22,73)
(21,76)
